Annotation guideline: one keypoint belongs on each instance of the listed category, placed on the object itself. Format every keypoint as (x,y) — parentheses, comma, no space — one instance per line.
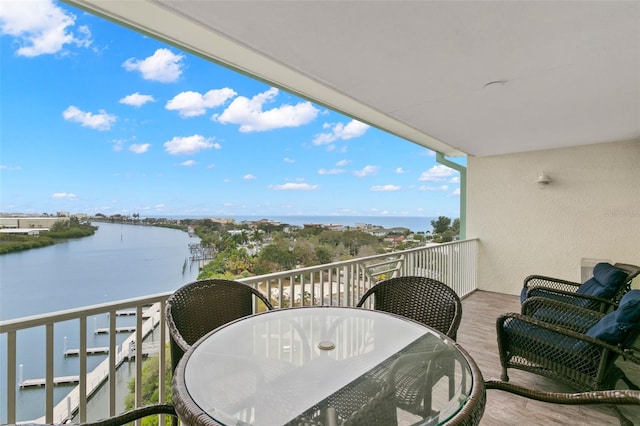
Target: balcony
(340,283)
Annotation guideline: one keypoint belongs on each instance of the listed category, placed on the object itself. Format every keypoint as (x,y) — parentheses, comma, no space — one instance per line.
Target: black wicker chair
(421,299)
(202,306)
(600,293)
(433,304)
(576,346)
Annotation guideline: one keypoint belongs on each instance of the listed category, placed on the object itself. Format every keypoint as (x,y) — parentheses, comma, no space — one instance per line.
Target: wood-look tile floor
(478,336)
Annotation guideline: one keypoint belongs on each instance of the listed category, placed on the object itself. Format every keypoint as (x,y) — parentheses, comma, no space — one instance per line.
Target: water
(118,262)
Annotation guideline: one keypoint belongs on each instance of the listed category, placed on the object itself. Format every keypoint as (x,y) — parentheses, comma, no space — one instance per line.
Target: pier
(95,378)
(127,329)
(57,381)
(90,351)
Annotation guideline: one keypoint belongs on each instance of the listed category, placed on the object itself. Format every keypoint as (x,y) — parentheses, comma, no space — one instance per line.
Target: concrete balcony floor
(478,336)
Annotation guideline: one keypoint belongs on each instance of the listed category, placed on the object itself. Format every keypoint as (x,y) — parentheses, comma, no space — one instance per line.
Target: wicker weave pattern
(202,306)
(565,291)
(422,299)
(562,354)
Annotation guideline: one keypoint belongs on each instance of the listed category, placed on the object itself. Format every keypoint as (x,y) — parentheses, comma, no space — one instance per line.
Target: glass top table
(325,366)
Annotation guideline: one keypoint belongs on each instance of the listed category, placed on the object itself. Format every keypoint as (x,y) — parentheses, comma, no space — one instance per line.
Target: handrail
(338,283)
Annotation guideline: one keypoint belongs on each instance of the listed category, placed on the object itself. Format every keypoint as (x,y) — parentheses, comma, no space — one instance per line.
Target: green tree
(442,224)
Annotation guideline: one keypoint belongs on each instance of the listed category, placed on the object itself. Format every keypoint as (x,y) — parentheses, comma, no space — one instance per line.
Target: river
(118,262)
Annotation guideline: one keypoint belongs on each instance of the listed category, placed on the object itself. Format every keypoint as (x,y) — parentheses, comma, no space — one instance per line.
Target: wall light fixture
(543,180)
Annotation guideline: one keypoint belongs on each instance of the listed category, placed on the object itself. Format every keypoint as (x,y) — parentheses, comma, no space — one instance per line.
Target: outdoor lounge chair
(607,286)
(433,304)
(576,346)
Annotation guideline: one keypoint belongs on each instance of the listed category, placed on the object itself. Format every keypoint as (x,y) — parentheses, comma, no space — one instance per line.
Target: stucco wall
(591,209)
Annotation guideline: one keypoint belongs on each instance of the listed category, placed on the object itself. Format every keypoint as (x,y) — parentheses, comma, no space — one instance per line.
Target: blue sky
(96,118)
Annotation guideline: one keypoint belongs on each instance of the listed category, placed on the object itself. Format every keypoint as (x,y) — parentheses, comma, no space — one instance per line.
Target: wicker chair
(576,346)
(202,306)
(600,293)
(433,304)
(421,299)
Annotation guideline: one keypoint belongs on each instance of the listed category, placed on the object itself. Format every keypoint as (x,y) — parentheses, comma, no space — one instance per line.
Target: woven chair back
(421,299)
(202,306)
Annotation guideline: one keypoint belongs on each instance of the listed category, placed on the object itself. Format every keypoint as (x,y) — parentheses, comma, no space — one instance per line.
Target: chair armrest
(626,353)
(550,282)
(561,314)
(582,300)
(628,397)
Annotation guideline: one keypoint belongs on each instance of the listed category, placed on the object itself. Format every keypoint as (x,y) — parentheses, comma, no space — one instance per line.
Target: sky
(97,118)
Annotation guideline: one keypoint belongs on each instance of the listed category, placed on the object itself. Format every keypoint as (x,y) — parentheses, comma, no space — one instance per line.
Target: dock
(127,329)
(57,381)
(95,378)
(131,313)
(90,351)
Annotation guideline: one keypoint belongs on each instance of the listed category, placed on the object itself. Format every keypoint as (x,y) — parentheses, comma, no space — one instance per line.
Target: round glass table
(327,366)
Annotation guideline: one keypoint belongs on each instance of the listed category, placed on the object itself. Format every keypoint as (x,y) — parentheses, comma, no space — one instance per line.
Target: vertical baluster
(82,402)
(49,374)
(11,377)
(139,359)
(112,363)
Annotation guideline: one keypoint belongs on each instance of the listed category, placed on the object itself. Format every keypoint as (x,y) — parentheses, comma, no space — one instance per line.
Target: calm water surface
(118,262)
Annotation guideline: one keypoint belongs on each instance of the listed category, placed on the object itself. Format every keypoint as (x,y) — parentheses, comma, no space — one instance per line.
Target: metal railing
(339,284)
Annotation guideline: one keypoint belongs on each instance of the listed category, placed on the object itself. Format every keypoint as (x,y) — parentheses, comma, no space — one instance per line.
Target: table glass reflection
(322,365)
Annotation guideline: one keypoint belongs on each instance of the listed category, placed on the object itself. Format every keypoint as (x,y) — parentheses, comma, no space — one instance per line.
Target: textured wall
(591,209)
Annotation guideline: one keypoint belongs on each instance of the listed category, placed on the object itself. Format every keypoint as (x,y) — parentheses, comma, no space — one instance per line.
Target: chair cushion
(629,309)
(614,327)
(605,281)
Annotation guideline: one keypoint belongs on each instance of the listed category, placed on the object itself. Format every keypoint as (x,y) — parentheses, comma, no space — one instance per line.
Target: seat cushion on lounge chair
(614,327)
(605,281)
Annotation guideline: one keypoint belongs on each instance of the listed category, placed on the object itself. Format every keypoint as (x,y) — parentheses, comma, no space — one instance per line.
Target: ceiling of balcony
(465,77)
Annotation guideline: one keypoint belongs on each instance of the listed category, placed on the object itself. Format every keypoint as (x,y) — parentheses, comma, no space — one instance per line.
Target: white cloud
(353,129)
(343,163)
(399,170)
(193,104)
(367,171)
(188,145)
(294,187)
(163,66)
(64,196)
(249,114)
(385,188)
(100,121)
(5,167)
(456,192)
(288,160)
(248,177)
(139,148)
(455,179)
(188,163)
(136,99)
(41,27)
(437,174)
(433,188)
(330,171)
